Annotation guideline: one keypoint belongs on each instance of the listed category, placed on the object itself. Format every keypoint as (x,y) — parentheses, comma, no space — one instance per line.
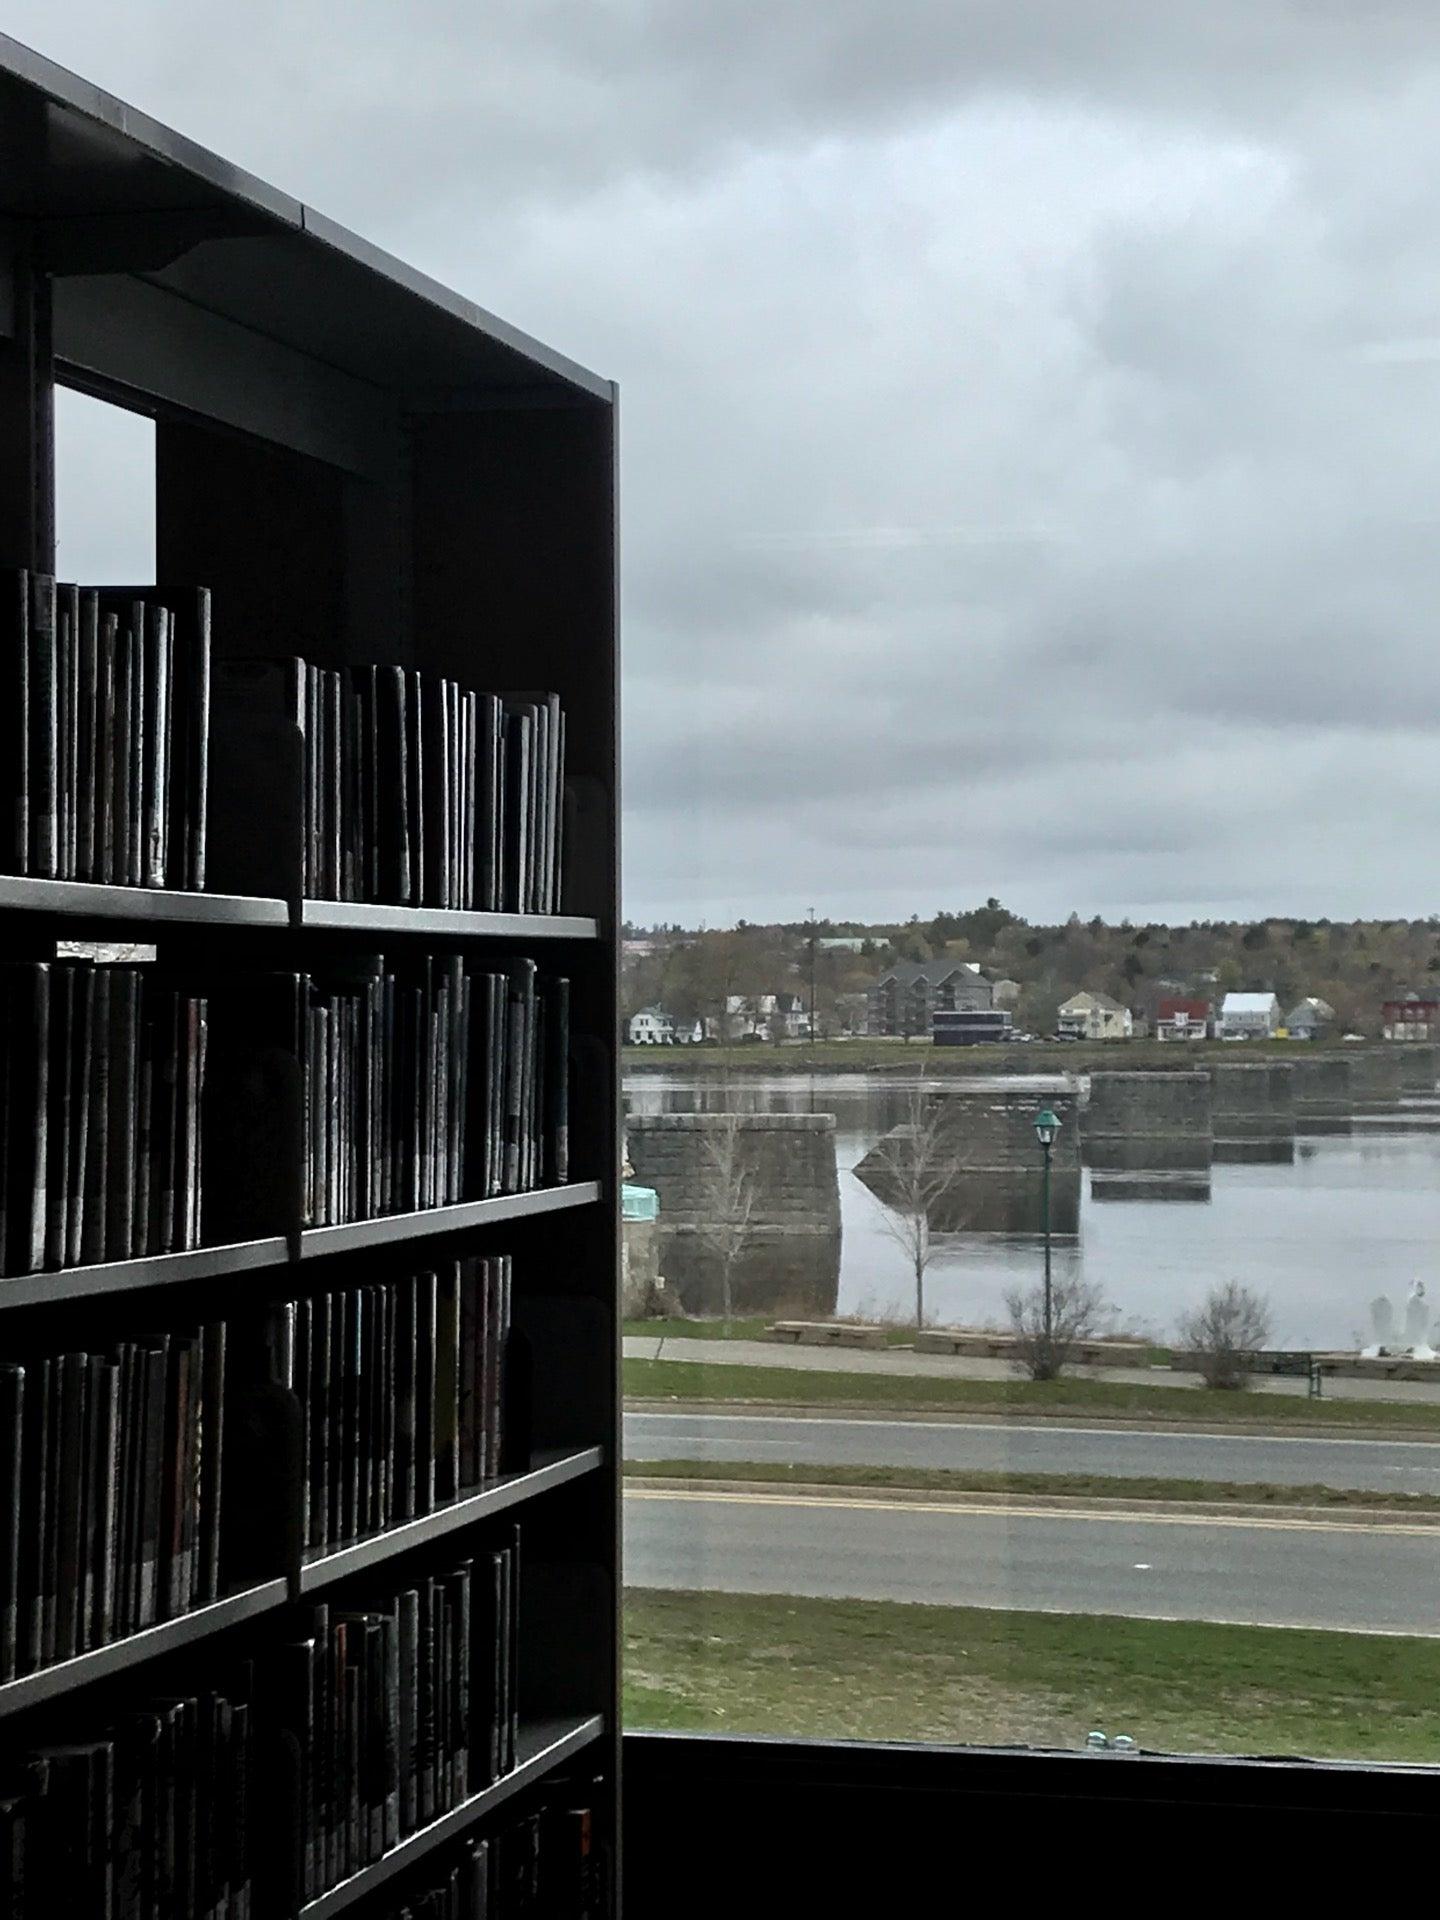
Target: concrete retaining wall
(996,1186)
(790,1259)
(1376,1077)
(1324,1092)
(1419,1066)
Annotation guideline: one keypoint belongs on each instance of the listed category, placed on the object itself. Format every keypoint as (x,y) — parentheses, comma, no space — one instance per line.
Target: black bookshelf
(544,1746)
(371,470)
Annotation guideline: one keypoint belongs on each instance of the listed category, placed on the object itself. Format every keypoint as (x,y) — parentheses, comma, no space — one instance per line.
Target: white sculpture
(1415,1343)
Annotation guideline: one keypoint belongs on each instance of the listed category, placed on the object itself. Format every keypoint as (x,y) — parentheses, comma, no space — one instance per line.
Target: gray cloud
(1030,470)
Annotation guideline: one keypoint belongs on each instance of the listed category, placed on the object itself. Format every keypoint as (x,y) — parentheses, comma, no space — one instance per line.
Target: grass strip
(883,1670)
(1092,1486)
(693,1381)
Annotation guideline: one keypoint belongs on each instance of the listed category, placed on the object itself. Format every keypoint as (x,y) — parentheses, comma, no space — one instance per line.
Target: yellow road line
(1114,1517)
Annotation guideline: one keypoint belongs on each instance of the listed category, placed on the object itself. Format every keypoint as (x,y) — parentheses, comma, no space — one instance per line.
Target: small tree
(1077,1309)
(727,1201)
(1231,1324)
(915,1163)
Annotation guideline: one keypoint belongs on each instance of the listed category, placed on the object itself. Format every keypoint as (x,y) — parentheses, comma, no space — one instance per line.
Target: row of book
(300,1766)
(104,714)
(546,1865)
(418,1085)
(112,1464)
(102,1070)
(401,1387)
(110,1489)
(415,791)
(428,1083)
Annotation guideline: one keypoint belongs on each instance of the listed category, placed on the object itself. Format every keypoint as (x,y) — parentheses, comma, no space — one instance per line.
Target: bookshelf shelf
(381,514)
(157,1270)
(441,923)
(554,1469)
(543,1746)
(78,899)
(168,1636)
(391,1229)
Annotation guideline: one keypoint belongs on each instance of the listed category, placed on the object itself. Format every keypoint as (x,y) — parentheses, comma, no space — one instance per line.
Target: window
(947,1421)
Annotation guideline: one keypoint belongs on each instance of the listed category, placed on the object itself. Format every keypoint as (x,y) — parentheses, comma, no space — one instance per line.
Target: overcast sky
(1031,411)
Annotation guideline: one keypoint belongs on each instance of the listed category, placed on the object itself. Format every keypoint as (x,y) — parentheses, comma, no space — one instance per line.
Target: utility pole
(812,981)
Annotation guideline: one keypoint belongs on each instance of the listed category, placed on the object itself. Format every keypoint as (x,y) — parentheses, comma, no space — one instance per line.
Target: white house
(1249,1016)
(1095,1016)
(1310,1019)
(651,1027)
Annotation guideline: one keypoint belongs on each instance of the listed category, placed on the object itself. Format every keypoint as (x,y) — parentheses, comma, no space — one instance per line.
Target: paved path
(1377,1465)
(1263,1572)
(944,1366)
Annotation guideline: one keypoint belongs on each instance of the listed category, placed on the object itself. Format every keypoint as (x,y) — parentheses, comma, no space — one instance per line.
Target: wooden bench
(975,1344)
(826,1333)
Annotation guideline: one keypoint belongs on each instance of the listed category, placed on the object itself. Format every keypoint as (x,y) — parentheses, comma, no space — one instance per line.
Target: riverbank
(876,1055)
(882,1670)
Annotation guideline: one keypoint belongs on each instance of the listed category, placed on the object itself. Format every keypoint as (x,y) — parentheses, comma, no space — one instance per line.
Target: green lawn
(1082,1486)
(851,1669)
(909,1393)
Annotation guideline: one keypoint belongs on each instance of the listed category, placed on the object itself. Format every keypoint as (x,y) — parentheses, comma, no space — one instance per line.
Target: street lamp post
(1047,1132)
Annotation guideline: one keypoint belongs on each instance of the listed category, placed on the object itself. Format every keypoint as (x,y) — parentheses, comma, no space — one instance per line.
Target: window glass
(1032,1119)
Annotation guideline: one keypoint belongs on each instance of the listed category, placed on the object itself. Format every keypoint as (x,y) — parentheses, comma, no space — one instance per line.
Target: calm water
(1352,1217)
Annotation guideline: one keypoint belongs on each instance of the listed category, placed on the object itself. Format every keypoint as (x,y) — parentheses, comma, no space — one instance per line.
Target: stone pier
(1253,1110)
(988,1137)
(1376,1073)
(1419,1066)
(1147,1136)
(1324,1092)
(789,1257)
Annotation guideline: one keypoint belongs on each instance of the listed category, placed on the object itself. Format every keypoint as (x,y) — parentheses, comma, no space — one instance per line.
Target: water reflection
(1354,1214)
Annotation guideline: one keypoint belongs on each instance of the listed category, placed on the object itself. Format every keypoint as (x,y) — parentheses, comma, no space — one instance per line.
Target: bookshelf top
(114,192)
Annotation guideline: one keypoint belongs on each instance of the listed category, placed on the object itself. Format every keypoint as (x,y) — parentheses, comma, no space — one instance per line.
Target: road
(1270,1572)
(1376,1465)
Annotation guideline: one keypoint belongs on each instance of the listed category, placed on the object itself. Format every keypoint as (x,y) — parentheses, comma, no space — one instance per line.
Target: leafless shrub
(727,1197)
(916,1162)
(1231,1324)
(1045,1345)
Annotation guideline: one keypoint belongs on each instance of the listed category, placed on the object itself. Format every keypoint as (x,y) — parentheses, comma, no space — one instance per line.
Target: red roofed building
(1411,1018)
(1183,1019)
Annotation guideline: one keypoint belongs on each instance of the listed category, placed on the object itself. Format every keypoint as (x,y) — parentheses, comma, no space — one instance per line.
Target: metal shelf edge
(360,917)
(150,1270)
(64,1676)
(543,1746)
(554,1471)
(85,899)
(357,1234)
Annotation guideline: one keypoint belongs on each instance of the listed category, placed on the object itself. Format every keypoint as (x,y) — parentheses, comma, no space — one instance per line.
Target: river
(1353,1216)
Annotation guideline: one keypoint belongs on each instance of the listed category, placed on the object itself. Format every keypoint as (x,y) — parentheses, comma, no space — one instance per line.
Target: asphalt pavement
(1374,1465)
(1271,1572)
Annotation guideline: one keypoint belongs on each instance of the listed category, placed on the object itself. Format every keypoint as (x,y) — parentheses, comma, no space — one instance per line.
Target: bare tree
(913,1165)
(1077,1309)
(727,1201)
(1231,1324)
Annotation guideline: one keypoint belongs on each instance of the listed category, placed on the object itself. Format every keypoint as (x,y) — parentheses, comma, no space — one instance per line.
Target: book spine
(44,743)
(12,1470)
(15,722)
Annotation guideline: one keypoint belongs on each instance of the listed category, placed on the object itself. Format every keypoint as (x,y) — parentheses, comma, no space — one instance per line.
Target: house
(1249,1016)
(766,1016)
(1179,1018)
(1410,1019)
(652,1027)
(1094,1016)
(842,943)
(1310,1019)
(903,999)
(1005,993)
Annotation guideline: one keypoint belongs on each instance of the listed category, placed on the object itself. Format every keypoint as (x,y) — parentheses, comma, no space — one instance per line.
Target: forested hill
(1355,965)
